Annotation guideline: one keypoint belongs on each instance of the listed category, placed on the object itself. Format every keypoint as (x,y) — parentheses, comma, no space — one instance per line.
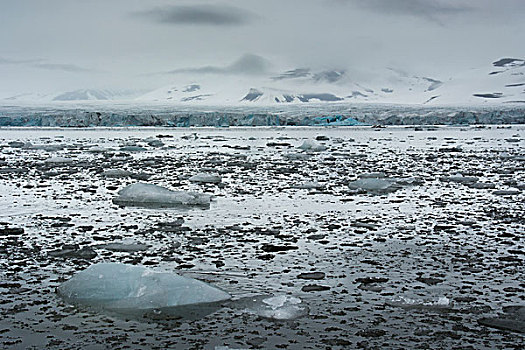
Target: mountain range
(500,82)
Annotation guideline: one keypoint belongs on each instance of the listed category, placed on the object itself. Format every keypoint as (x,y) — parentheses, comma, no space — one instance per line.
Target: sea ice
(147,194)
(206,178)
(124,287)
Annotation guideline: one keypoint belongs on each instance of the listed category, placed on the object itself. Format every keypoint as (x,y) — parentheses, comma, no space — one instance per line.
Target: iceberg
(141,194)
(311,145)
(128,288)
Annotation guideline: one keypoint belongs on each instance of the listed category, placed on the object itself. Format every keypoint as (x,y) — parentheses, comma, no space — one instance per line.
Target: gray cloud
(41,64)
(4,60)
(62,67)
(431,10)
(247,64)
(213,15)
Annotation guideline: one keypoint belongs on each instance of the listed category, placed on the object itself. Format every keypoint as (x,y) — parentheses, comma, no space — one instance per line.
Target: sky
(61,45)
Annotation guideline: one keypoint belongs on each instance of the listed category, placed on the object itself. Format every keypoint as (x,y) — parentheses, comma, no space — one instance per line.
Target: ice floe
(141,194)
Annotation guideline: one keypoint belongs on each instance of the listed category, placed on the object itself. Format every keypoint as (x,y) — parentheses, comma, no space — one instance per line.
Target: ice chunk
(59,160)
(311,145)
(132,148)
(116,173)
(459,178)
(409,303)
(374,185)
(99,149)
(206,178)
(142,194)
(278,307)
(314,185)
(122,287)
(297,156)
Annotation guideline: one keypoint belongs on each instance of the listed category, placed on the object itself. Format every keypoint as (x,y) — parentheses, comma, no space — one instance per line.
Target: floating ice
(116,173)
(310,185)
(374,185)
(122,287)
(297,156)
(132,149)
(459,178)
(142,194)
(311,145)
(99,149)
(409,303)
(59,160)
(206,178)
(279,307)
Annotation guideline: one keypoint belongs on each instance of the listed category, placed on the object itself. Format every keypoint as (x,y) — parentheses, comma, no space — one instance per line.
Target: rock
(312,275)
(506,192)
(270,248)
(121,247)
(11,231)
(73,251)
(315,288)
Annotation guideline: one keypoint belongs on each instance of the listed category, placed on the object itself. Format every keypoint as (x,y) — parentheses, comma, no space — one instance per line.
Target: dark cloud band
(213,15)
(247,64)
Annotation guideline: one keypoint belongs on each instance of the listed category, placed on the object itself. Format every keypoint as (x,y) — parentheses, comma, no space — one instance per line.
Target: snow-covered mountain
(503,81)
(499,82)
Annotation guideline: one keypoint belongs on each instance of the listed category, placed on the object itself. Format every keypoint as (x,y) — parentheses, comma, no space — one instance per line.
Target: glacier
(198,116)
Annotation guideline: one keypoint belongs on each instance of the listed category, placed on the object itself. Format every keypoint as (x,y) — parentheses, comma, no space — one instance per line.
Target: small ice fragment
(59,160)
(311,145)
(373,184)
(460,178)
(309,185)
(116,173)
(206,178)
(279,307)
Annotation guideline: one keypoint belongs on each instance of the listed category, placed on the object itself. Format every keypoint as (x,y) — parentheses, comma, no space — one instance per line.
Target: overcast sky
(57,45)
